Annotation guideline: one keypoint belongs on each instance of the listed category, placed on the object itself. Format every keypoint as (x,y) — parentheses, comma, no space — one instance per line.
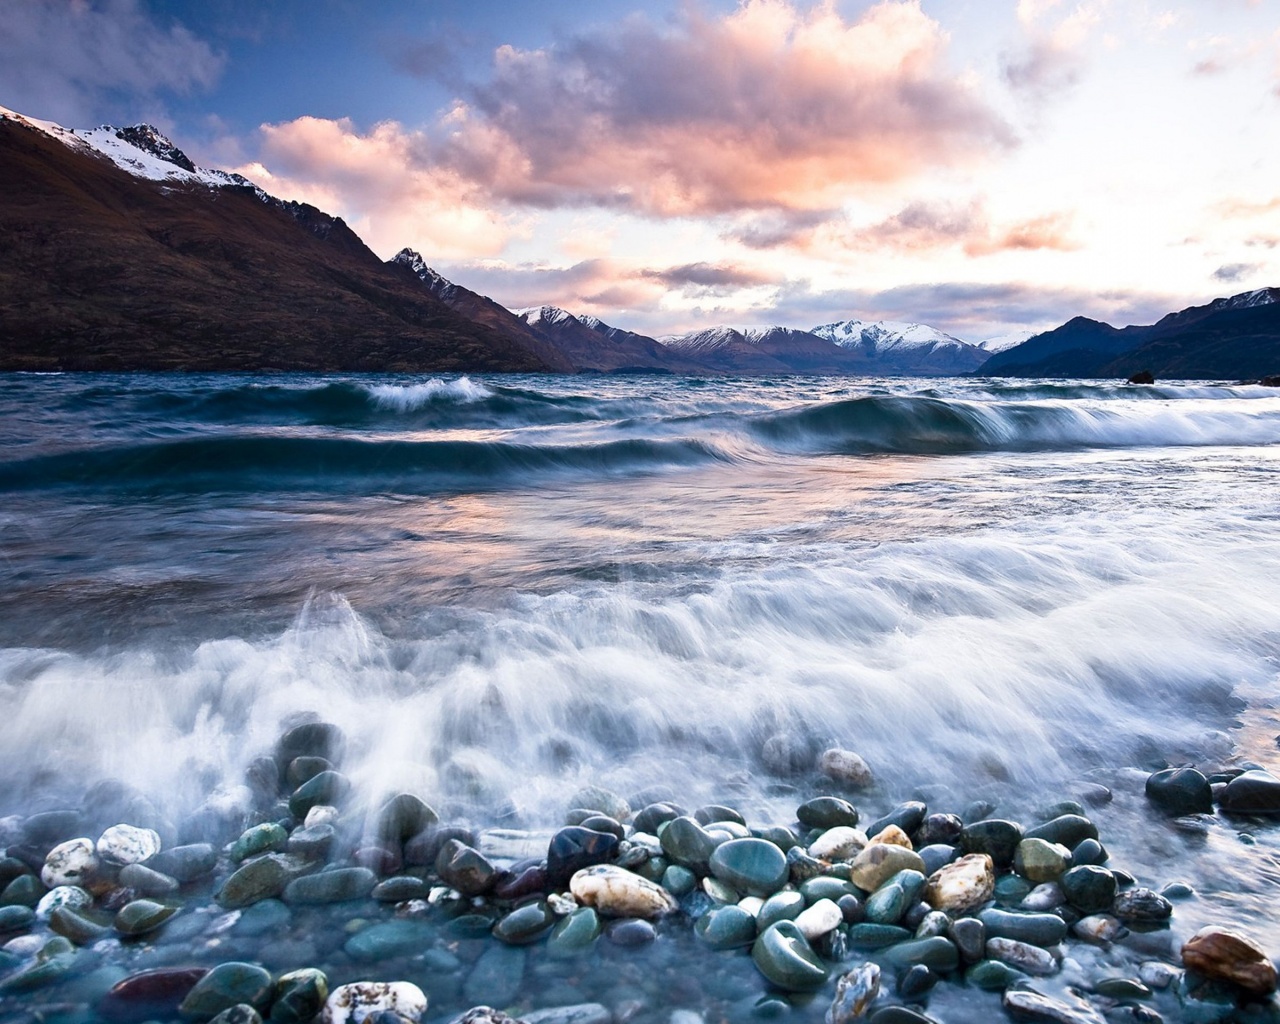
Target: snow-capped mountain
(1005,341)
(591,344)
(904,348)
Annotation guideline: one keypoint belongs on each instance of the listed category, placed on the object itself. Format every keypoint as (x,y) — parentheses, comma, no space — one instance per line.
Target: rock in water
(881,861)
(1180,791)
(1142,905)
(69,863)
(1254,792)
(225,986)
(839,843)
(616,892)
(855,992)
(299,996)
(753,866)
(128,844)
(353,1003)
(845,767)
(152,994)
(1228,956)
(782,954)
(963,885)
(1028,1004)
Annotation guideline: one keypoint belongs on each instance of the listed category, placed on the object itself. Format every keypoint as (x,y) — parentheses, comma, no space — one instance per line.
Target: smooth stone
(881,861)
(936,856)
(389,939)
(688,844)
(496,976)
(470,872)
(404,816)
(185,863)
(825,887)
(23,891)
(1044,897)
(893,835)
(1089,851)
(801,867)
(256,880)
(1027,1004)
(970,936)
(1206,1001)
(1141,905)
(1098,929)
(575,933)
(782,906)
(1253,792)
(1038,860)
(1122,988)
(578,1013)
(654,816)
(753,866)
(826,812)
(128,844)
(310,739)
(938,954)
(328,788)
(917,981)
(616,892)
(335,886)
(630,933)
(876,936)
(679,881)
(70,863)
(366,1000)
(1158,975)
(226,986)
(1180,791)
(712,813)
(939,830)
(962,885)
(423,849)
(781,837)
(1012,889)
(76,927)
(312,843)
(894,897)
(299,996)
(785,958)
(1022,955)
(845,767)
(1088,888)
(69,896)
(997,838)
(856,990)
(525,924)
(517,885)
(1042,930)
(303,769)
(147,882)
(993,976)
(241,1013)
(1177,891)
(400,888)
(1067,830)
(258,839)
(1225,955)
(839,843)
(262,918)
(719,892)
(852,908)
(726,928)
(142,916)
(16,918)
(149,995)
(817,920)
(321,814)
(50,827)
(605,801)
(907,817)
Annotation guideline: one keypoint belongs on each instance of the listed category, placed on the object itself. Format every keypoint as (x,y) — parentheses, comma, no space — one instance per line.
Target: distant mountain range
(120,253)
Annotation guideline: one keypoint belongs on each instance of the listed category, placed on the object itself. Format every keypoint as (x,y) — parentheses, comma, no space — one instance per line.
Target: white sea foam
(407,397)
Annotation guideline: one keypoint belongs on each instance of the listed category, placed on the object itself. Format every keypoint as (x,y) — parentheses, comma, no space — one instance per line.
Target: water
(506,587)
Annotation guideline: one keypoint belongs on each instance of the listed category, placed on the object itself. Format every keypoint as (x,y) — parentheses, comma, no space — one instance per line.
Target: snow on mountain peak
(533,315)
(1247,300)
(887,335)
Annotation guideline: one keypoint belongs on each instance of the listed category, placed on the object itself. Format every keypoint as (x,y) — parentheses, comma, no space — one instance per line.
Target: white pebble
(128,844)
(751,904)
(351,1004)
(69,863)
(320,814)
(70,896)
(839,843)
(815,921)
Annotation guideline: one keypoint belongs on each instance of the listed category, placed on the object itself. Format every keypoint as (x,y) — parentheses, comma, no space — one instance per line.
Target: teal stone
(826,812)
(259,839)
(400,888)
(653,868)
(937,954)
(1059,809)
(992,975)
(783,838)
(995,837)
(1012,889)
(679,881)
(895,897)
(23,891)
(299,996)
(255,880)
(336,886)
(525,924)
(784,957)
(470,926)
(389,939)
(726,928)
(225,986)
(574,934)
(1122,988)
(327,788)
(876,936)
(824,887)
(1090,889)
(782,906)
(1069,830)
(53,962)
(687,843)
(16,918)
(752,866)
(713,813)
(1043,930)
(142,916)
(728,829)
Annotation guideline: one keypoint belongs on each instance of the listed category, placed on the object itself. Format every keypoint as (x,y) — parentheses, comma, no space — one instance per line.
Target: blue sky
(986,166)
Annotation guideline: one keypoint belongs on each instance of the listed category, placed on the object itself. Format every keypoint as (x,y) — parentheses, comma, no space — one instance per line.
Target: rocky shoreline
(636,910)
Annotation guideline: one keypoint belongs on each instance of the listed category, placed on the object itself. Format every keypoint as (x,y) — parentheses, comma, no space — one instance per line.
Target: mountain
(904,349)
(765,350)
(591,344)
(1230,338)
(119,253)
(1005,341)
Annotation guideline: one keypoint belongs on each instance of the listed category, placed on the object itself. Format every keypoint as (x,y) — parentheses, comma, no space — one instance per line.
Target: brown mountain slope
(103,270)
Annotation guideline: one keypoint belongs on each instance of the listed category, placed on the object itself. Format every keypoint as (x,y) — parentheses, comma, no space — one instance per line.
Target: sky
(984,166)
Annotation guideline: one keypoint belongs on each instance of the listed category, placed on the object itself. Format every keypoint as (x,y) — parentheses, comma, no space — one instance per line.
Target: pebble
(579,1013)
(70,896)
(334,886)
(1229,956)
(856,990)
(881,861)
(907,817)
(146,881)
(962,885)
(970,936)
(299,996)
(826,812)
(142,916)
(1141,905)
(1180,791)
(938,954)
(726,928)
(1039,860)
(1044,897)
(1029,1004)
(353,1003)
(995,837)
(128,844)
(819,919)
(1022,955)
(616,892)
(225,986)
(752,866)
(1089,888)
(69,863)
(840,843)
(1158,975)
(783,955)
(845,767)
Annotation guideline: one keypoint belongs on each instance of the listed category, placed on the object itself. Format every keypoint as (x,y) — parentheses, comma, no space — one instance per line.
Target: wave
(937,426)
(290,463)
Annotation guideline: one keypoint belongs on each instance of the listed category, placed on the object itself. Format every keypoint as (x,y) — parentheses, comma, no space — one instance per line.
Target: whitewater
(506,588)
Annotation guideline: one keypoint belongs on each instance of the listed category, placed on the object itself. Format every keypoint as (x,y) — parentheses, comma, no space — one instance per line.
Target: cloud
(1052,57)
(1233,272)
(768,107)
(78,61)
(385,182)
(709,278)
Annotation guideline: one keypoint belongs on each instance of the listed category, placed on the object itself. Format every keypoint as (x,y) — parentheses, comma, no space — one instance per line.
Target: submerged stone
(784,957)
(752,866)
(226,986)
